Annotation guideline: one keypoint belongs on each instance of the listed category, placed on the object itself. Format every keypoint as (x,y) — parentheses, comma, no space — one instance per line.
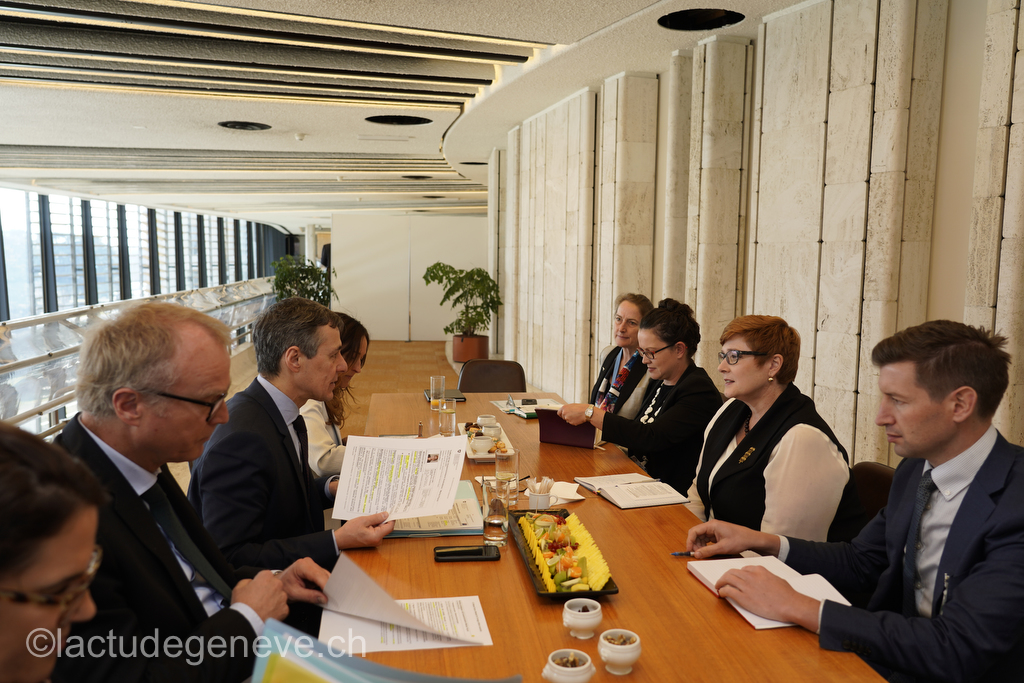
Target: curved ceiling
(122,100)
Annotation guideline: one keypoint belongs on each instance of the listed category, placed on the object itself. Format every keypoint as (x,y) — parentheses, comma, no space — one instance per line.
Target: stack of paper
(813,585)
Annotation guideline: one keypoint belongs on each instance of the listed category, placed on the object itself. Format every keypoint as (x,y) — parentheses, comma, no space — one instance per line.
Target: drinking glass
(506,472)
(436,391)
(446,421)
(495,513)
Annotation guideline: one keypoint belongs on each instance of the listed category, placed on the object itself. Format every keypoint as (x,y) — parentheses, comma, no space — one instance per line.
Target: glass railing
(39,355)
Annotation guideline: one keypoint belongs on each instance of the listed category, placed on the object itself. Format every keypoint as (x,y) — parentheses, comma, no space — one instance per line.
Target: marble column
(496,230)
(677,174)
(510,244)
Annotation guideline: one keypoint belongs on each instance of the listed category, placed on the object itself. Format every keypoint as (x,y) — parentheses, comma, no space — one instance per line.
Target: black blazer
(673,441)
(140,589)
(608,370)
(975,633)
(250,491)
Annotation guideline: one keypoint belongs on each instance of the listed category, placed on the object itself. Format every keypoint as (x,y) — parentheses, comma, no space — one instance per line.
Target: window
(19,220)
(137,225)
(166,252)
(212,251)
(68,251)
(190,251)
(229,249)
(105,247)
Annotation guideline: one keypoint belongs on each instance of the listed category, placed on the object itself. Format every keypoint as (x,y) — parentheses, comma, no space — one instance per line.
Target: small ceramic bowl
(484,420)
(581,624)
(493,431)
(482,444)
(618,659)
(568,674)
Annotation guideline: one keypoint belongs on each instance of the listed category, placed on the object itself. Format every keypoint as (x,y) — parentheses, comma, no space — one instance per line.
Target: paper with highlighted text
(404,477)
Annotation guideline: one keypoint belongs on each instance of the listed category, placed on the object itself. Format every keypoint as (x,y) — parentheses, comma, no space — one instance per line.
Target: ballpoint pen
(688,553)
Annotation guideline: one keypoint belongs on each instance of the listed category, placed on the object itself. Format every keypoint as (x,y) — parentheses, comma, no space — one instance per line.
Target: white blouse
(803,482)
(326,451)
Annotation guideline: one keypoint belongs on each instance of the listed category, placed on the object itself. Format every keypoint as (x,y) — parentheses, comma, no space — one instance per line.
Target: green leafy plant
(474,290)
(293,277)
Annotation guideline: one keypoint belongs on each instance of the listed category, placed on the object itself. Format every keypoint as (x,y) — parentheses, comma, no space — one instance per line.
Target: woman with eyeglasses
(622,379)
(49,504)
(770,462)
(324,420)
(665,437)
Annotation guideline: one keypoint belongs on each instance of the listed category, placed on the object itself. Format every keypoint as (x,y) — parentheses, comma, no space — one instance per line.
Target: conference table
(687,633)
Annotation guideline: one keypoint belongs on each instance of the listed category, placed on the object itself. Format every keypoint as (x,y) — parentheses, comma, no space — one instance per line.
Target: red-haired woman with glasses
(49,504)
(769,461)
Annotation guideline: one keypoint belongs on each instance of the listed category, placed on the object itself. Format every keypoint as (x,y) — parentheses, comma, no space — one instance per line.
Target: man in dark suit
(252,487)
(944,558)
(151,384)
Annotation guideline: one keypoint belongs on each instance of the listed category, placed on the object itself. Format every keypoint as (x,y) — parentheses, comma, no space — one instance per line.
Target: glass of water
(446,418)
(495,513)
(436,391)
(506,471)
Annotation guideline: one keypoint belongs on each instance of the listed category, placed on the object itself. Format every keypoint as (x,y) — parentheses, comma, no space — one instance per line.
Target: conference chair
(492,375)
(873,481)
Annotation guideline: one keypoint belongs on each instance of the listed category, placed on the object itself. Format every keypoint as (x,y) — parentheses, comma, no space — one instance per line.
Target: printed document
(405,477)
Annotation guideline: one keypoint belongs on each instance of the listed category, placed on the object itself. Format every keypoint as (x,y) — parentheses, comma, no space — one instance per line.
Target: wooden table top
(686,632)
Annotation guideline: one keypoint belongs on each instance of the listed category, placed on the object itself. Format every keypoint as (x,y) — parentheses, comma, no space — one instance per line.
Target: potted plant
(477,293)
(293,277)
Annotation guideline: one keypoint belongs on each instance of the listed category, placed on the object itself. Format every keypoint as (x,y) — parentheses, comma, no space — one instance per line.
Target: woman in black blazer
(665,438)
(624,395)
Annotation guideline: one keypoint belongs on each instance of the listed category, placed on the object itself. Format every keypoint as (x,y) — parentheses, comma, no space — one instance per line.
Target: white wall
(380,262)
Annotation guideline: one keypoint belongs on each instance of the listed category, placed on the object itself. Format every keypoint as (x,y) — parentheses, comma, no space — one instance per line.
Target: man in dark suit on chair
(252,486)
(945,557)
(151,385)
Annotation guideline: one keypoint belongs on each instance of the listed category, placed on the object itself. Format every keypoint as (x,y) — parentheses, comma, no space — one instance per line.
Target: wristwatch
(589,412)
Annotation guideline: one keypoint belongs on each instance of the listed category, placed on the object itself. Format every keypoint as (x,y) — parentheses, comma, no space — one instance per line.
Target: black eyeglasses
(75,587)
(214,406)
(733,356)
(649,355)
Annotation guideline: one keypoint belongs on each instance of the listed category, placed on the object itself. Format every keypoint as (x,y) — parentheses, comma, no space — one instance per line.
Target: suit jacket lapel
(132,512)
(260,395)
(978,504)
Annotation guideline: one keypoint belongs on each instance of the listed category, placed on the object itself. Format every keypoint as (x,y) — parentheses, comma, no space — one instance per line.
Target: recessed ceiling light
(473,163)
(243,125)
(395,120)
(433,196)
(417,177)
(700,19)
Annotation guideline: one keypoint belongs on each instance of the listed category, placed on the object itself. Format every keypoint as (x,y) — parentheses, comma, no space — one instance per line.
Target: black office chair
(492,375)
(873,481)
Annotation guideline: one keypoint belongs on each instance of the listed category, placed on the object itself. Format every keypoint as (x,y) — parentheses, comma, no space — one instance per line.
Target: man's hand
(265,594)
(302,579)
(721,538)
(332,486)
(765,594)
(361,532)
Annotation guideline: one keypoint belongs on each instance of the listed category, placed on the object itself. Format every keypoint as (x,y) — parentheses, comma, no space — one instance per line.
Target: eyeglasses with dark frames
(75,587)
(733,355)
(649,355)
(214,406)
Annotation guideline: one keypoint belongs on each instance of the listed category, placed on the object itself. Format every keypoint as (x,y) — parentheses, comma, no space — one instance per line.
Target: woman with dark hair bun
(324,420)
(49,504)
(666,435)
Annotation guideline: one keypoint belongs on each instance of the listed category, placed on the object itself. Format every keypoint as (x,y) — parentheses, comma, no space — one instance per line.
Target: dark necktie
(300,429)
(168,520)
(911,578)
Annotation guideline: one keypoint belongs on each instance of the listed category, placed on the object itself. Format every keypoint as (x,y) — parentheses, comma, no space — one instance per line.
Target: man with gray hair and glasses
(945,557)
(151,387)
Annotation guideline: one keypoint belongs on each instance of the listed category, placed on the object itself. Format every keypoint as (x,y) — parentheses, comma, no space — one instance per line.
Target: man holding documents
(252,486)
(945,557)
(151,385)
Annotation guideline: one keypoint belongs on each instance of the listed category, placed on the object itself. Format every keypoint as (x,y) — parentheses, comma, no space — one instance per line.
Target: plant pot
(470,347)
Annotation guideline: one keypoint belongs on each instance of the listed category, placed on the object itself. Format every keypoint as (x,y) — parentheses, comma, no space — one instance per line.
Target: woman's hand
(573,413)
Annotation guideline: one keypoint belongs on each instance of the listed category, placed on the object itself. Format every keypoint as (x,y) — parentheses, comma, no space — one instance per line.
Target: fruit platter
(562,558)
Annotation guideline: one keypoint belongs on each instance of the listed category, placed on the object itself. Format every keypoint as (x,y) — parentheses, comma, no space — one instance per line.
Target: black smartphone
(466,553)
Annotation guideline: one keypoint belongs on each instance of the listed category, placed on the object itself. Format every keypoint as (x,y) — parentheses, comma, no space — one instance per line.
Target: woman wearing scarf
(665,437)
(770,462)
(622,379)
